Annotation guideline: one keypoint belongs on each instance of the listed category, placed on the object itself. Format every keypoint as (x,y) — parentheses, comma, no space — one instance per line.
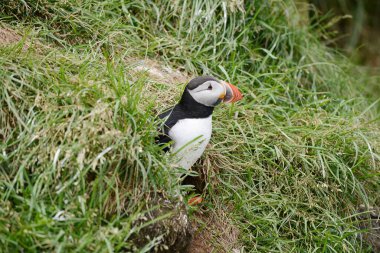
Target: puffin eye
(209,87)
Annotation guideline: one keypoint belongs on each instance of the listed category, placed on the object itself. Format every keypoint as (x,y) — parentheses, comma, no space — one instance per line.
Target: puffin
(187,127)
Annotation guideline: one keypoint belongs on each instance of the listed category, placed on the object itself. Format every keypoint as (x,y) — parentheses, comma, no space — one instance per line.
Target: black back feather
(186,108)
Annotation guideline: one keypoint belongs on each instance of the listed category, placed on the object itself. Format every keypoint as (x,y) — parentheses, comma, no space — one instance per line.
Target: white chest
(190,137)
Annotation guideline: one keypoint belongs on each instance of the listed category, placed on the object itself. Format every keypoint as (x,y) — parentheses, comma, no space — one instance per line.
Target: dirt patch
(160,73)
(8,36)
(214,232)
(172,234)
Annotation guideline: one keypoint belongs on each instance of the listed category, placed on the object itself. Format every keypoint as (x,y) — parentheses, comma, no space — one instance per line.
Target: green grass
(288,165)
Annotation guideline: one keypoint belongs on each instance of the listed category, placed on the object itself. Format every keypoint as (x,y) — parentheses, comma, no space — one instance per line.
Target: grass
(79,168)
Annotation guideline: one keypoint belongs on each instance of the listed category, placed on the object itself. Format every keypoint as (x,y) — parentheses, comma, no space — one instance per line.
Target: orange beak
(232,93)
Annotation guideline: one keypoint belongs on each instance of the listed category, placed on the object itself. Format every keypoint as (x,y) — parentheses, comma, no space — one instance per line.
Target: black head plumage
(194,83)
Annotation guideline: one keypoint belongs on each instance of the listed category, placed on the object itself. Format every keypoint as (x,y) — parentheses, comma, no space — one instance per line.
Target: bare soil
(214,232)
(9,37)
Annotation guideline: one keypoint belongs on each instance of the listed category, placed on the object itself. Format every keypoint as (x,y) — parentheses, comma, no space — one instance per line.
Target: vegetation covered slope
(287,166)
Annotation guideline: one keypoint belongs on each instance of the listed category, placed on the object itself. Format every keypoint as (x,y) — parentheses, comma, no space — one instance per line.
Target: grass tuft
(79,169)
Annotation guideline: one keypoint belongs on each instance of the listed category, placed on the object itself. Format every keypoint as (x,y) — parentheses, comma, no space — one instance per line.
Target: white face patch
(209,93)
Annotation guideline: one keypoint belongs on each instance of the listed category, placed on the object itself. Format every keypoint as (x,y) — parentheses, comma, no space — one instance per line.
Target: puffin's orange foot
(195,200)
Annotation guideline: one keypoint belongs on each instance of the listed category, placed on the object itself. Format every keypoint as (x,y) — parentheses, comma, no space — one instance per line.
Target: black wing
(163,138)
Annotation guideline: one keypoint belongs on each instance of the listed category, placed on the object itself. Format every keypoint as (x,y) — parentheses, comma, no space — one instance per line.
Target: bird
(187,127)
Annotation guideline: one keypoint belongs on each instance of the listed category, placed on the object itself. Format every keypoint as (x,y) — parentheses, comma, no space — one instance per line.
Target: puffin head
(209,91)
